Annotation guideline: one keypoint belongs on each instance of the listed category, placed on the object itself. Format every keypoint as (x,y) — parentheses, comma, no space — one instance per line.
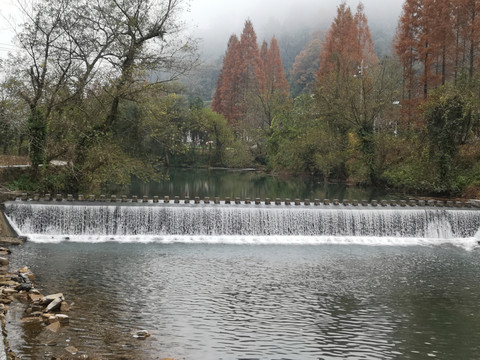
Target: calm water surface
(252,184)
(203,301)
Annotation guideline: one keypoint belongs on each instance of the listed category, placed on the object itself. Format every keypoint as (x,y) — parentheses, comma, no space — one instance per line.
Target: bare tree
(114,49)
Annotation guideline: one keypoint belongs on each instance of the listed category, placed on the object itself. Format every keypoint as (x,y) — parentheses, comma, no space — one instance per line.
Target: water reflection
(264,302)
(251,184)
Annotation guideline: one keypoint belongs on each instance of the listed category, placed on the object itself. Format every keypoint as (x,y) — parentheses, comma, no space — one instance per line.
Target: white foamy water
(466,243)
(244,224)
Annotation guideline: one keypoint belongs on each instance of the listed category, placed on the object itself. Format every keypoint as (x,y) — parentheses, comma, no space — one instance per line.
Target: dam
(242,221)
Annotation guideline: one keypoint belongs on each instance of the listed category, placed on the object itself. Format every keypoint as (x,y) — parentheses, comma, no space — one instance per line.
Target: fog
(213,21)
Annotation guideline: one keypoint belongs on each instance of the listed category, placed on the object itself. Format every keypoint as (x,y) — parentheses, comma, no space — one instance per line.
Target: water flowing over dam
(83,221)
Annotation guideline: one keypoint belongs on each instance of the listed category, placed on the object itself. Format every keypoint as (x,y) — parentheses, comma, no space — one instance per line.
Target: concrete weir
(124,217)
(60,198)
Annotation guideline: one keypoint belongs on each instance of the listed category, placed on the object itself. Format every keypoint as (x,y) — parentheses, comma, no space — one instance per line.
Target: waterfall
(209,222)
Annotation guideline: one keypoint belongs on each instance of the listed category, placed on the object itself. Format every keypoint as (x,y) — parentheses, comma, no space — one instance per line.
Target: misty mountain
(292,25)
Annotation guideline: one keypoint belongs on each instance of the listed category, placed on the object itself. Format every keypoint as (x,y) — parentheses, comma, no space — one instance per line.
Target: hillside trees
(437,46)
(307,62)
(436,42)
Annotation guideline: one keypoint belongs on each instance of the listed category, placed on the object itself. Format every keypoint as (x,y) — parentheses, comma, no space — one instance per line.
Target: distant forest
(344,104)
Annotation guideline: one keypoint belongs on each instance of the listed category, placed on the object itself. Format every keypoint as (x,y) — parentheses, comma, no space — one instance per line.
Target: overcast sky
(211,14)
(215,20)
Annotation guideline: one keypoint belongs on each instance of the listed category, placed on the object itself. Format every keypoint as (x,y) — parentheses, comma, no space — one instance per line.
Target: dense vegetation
(101,87)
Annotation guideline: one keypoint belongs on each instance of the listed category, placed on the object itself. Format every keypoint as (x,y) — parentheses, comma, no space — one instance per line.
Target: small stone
(141,334)
(24,270)
(6,301)
(54,305)
(47,315)
(5,250)
(63,319)
(51,343)
(24,286)
(31,319)
(72,349)
(51,319)
(37,308)
(4,261)
(35,298)
(22,296)
(9,291)
(28,276)
(64,307)
(54,327)
(49,298)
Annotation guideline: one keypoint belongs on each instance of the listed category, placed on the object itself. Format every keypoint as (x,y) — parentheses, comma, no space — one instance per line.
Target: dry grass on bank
(6,160)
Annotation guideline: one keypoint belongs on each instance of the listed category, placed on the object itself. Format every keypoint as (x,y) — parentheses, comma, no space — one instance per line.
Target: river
(342,297)
(203,301)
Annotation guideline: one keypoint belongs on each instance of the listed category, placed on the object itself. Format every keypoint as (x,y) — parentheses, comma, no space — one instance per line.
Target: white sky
(211,13)
(215,20)
(7,11)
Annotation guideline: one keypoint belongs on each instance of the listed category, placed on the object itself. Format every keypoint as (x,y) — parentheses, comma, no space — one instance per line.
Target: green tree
(80,61)
(450,119)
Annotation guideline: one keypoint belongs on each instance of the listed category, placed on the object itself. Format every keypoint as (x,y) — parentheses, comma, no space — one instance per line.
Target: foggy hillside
(291,23)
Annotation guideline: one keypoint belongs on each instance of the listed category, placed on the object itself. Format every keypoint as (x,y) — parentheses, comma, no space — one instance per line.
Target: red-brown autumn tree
(436,41)
(225,99)
(251,77)
(276,92)
(348,44)
(252,82)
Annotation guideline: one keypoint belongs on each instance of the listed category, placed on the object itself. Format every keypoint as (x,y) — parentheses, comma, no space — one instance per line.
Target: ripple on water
(232,302)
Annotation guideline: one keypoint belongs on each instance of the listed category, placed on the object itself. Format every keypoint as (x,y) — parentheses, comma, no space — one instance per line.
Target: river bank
(17,290)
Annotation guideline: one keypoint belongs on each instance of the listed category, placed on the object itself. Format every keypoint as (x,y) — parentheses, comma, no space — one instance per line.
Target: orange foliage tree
(276,92)
(225,98)
(348,44)
(252,82)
